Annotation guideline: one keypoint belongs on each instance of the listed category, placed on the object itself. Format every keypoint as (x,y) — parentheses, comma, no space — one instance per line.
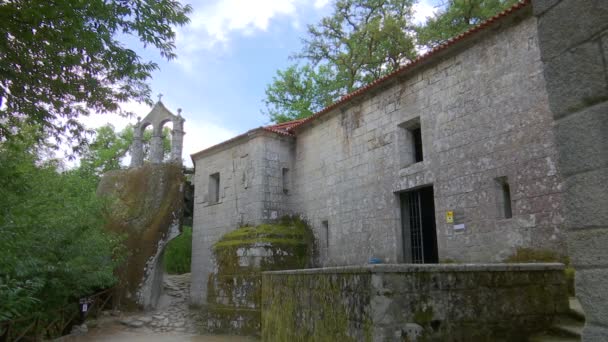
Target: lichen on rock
(144,204)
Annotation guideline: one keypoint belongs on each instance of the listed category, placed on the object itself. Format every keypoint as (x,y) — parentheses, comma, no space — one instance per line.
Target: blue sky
(226,56)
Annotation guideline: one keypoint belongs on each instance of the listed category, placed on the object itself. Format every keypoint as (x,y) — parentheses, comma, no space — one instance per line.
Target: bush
(179,253)
(54,248)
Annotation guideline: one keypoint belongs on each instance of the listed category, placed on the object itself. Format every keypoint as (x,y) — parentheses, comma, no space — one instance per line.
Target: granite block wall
(573,38)
(484,116)
(250,193)
(491,302)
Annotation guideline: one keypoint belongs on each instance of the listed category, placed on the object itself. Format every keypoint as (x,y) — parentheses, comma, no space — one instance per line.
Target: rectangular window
(410,142)
(214,188)
(285,180)
(503,197)
(417,137)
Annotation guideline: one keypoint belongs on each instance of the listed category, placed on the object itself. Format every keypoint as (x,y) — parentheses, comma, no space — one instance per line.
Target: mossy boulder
(145,205)
(234,290)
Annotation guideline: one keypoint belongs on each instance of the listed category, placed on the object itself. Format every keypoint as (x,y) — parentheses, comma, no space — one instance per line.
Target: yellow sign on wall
(449,217)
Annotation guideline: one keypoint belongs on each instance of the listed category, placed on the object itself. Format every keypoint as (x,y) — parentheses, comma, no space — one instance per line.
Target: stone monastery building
(451,157)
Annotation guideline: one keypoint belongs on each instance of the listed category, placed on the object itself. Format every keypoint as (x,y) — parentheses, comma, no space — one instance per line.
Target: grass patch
(179,253)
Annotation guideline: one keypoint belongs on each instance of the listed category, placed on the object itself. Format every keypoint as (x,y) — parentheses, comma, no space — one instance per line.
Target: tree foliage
(456,17)
(360,41)
(60,59)
(53,246)
(178,255)
(299,91)
(109,148)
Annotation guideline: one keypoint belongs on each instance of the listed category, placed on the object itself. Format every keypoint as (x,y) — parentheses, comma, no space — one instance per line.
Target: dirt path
(171,321)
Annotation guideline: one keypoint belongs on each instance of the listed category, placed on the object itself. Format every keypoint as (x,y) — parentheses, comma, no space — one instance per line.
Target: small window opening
(504,197)
(326,231)
(410,142)
(214,188)
(285,180)
(417,137)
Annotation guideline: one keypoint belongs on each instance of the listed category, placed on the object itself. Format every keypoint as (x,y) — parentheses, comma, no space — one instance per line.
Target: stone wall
(483,111)
(250,193)
(491,302)
(573,38)
(234,288)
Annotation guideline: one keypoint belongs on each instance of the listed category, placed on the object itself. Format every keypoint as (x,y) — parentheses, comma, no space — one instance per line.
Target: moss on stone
(544,255)
(241,256)
(141,204)
(535,255)
(283,311)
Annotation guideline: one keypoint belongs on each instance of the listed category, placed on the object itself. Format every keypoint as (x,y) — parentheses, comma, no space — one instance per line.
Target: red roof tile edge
(364,89)
(288,128)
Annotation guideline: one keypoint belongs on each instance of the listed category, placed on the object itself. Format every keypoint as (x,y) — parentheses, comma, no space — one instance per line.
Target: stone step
(567,327)
(576,310)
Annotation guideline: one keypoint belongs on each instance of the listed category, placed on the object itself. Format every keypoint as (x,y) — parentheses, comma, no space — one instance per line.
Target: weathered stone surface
(581,211)
(251,192)
(574,31)
(541,6)
(570,23)
(584,66)
(234,289)
(583,131)
(431,302)
(589,247)
(145,204)
(592,292)
(483,113)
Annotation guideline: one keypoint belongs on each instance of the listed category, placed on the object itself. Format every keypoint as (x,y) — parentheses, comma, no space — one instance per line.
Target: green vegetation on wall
(234,291)
(179,253)
(523,255)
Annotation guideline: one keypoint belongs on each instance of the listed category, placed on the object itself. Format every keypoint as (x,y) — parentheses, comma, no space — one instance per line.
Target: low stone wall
(446,302)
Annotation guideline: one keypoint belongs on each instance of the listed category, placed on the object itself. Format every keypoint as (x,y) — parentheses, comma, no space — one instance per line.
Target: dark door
(418,225)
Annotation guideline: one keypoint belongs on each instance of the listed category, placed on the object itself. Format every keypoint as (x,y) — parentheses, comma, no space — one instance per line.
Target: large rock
(145,204)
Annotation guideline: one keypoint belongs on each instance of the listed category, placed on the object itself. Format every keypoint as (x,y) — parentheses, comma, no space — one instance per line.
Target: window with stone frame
(410,142)
(503,197)
(214,188)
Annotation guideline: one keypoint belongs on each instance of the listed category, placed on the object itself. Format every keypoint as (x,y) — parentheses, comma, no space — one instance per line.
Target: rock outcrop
(145,205)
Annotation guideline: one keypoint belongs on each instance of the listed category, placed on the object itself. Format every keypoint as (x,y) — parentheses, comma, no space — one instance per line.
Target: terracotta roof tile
(470,32)
(288,128)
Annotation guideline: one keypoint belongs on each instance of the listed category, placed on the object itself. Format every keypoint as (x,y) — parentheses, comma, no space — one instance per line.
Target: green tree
(298,92)
(53,246)
(359,42)
(61,59)
(456,17)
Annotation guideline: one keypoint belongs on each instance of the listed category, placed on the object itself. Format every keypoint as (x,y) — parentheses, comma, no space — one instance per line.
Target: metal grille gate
(417,238)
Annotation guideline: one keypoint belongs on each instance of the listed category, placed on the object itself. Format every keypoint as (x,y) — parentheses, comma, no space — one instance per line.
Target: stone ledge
(402,268)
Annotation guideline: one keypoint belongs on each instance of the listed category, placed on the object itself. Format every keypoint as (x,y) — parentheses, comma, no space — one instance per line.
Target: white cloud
(321,3)
(215,22)
(201,135)
(423,10)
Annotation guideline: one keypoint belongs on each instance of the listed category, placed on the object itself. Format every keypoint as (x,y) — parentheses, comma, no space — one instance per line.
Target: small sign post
(84,304)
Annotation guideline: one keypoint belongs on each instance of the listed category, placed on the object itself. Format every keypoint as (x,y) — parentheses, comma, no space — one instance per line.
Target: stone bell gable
(157,118)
